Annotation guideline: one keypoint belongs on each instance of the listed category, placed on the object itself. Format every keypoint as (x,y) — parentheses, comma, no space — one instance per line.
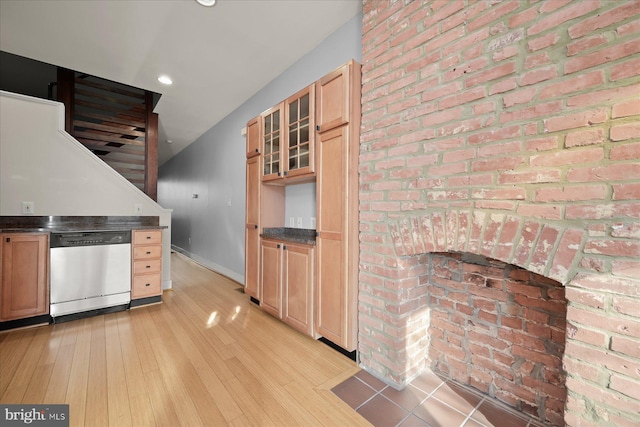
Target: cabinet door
(297,282)
(300,133)
(333,99)
(331,285)
(272,125)
(270,278)
(253,137)
(252,229)
(24,285)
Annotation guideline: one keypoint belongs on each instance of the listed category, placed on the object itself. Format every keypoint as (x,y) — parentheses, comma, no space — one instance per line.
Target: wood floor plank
(252,409)
(196,350)
(117,392)
(76,395)
(141,410)
(38,385)
(131,362)
(145,352)
(172,364)
(97,410)
(265,395)
(11,354)
(164,411)
(24,371)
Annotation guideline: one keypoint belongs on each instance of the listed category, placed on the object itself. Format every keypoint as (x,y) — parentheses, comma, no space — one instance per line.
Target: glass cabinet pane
(293,136)
(267,125)
(299,132)
(304,131)
(293,111)
(304,106)
(271,143)
(304,160)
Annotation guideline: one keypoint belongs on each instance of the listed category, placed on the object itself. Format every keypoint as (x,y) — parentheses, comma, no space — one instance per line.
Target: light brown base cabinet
(146,252)
(287,282)
(24,286)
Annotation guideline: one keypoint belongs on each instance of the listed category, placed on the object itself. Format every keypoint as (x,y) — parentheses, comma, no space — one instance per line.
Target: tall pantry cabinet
(338,125)
(264,208)
(311,136)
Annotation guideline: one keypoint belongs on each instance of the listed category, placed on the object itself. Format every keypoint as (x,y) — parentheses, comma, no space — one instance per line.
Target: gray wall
(210,228)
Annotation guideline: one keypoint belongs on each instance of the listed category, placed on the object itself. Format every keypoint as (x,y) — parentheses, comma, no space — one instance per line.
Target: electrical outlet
(138,208)
(313,222)
(290,221)
(189,241)
(299,222)
(27,208)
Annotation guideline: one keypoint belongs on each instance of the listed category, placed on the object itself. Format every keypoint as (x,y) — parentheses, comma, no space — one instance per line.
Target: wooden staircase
(116,122)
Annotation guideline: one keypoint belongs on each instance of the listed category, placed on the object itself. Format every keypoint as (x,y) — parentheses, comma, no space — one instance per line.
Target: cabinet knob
(278,246)
(279,174)
(255,226)
(8,240)
(284,247)
(257,150)
(318,128)
(286,173)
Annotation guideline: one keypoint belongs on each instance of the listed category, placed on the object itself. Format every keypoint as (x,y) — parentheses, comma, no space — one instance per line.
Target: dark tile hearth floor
(428,401)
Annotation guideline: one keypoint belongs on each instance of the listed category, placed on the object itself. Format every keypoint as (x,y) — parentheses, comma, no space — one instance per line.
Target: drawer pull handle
(148,237)
(148,253)
(148,266)
(148,284)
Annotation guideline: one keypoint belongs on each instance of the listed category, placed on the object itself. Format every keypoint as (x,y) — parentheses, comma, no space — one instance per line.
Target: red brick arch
(549,250)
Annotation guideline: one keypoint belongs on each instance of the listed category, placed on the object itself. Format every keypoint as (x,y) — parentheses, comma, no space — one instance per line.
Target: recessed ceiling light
(207,2)
(165,80)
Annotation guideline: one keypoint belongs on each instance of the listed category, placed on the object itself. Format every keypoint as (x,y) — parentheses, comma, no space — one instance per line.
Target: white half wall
(43,164)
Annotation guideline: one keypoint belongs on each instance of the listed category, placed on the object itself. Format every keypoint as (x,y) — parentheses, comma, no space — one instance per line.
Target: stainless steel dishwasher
(89,271)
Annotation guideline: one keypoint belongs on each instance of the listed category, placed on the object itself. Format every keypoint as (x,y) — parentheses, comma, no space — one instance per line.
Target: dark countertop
(293,235)
(62,224)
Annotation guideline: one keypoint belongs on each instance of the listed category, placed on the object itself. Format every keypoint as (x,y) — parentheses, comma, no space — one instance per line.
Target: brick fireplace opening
(502,138)
(500,329)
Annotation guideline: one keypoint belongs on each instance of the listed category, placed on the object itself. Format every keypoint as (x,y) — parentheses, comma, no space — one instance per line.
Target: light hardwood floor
(205,356)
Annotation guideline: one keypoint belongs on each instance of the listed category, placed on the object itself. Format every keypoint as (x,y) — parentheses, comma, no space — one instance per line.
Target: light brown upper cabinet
(335,96)
(272,125)
(300,136)
(253,138)
(24,282)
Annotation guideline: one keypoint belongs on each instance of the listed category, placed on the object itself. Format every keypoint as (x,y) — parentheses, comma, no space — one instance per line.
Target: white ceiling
(218,57)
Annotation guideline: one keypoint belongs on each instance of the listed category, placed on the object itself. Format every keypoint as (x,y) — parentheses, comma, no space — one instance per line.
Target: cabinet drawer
(146,285)
(147,252)
(147,266)
(147,237)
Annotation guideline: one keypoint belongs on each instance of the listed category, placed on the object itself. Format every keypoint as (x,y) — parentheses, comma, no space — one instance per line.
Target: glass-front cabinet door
(272,124)
(299,139)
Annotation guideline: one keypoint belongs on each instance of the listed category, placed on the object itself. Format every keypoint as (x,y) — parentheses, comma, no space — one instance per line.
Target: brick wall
(509,129)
